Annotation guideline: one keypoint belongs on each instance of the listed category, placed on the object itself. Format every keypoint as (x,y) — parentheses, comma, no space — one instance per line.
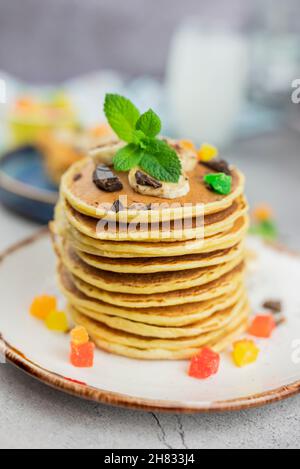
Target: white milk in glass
(206,81)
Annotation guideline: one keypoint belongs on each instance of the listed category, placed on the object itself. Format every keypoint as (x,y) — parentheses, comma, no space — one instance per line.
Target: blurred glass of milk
(206,82)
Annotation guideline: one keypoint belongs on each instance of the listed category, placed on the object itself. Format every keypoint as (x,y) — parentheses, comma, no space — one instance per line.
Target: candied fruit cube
(102,130)
(245,352)
(82,356)
(25,103)
(57,321)
(262,326)
(221,183)
(187,145)
(207,152)
(265,229)
(42,306)
(79,336)
(263,212)
(205,364)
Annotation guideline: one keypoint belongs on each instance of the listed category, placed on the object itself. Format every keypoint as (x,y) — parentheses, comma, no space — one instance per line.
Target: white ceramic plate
(27,270)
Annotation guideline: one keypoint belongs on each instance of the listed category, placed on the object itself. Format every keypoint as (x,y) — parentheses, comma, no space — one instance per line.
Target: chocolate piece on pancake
(105,179)
(218,165)
(146,180)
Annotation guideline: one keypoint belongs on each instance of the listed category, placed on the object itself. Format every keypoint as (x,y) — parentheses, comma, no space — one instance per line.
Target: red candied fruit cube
(262,326)
(82,356)
(205,364)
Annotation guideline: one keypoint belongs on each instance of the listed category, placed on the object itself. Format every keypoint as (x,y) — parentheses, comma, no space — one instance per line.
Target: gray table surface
(35,416)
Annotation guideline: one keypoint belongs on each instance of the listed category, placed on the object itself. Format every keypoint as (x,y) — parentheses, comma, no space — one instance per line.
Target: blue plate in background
(24,187)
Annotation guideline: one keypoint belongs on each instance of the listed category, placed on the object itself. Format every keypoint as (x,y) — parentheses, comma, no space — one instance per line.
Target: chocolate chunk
(274,306)
(117,206)
(77,177)
(144,180)
(220,166)
(106,180)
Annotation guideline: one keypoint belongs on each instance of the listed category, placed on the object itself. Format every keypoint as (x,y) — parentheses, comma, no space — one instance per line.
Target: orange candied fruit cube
(82,356)
(102,130)
(207,152)
(25,103)
(42,306)
(263,212)
(187,145)
(262,326)
(245,352)
(79,336)
(205,364)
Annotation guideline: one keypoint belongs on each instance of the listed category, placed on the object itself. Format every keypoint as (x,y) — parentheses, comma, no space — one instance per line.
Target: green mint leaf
(127,158)
(122,116)
(219,182)
(161,161)
(138,137)
(149,123)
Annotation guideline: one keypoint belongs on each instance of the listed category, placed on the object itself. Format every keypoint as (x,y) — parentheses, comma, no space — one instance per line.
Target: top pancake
(78,189)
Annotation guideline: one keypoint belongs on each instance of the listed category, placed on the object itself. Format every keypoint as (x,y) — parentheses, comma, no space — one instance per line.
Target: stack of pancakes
(162,292)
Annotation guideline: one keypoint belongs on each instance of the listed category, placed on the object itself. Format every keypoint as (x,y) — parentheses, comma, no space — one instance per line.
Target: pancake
(225,340)
(146,283)
(156,232)
(162,264)
(133,346)
(226,284)
(171,316)
(87,199)
(116,249)
(217,321)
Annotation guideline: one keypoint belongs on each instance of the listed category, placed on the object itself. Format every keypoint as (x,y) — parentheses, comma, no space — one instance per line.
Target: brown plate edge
(86,392)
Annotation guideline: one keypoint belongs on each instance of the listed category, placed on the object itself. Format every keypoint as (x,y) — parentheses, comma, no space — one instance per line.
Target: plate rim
(91,393)
(22,189)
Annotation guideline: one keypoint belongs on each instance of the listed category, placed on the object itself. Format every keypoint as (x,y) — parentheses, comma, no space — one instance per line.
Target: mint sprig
(152,155)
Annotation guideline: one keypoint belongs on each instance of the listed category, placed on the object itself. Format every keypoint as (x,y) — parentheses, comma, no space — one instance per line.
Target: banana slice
(188,157)
(105,152)
(188,160)
(146,185)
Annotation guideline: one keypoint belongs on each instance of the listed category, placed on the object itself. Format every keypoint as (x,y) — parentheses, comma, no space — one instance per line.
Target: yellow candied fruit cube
(263,212)
(207,152)
(187,145)
(42,306)
(79,336)
(57,321)
(245,352)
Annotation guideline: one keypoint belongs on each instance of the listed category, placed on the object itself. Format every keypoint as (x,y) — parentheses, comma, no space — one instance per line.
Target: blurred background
(216,71)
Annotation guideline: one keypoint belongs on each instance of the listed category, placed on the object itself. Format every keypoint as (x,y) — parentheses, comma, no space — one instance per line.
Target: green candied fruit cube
(219,182)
